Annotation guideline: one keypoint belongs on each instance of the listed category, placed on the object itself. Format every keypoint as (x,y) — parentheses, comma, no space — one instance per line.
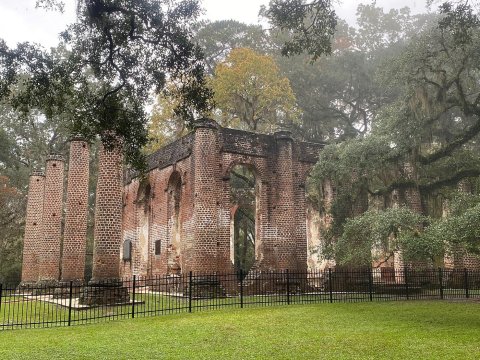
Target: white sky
(20,21)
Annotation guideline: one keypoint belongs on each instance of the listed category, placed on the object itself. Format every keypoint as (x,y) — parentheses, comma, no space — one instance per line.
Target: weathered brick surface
(49,249)
(179,217)
(75,232)
(461,259)
(188,208)
(318,224)
(33,227)
(159,210)
(208,248)
(108,215)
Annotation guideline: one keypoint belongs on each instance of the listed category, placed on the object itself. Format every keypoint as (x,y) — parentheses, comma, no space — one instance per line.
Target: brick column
(75,233)
(413,199)
(412,195)
(108,215)
(285,203)
(33,227)
(49,248)
(209,253)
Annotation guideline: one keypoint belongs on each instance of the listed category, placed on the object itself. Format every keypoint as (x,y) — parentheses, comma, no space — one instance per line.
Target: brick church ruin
(177,218)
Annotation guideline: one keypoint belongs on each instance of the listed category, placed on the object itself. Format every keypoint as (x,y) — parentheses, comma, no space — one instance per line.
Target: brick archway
(203,160)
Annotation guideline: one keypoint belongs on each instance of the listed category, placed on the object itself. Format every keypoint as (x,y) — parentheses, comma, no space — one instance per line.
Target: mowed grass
(391,330)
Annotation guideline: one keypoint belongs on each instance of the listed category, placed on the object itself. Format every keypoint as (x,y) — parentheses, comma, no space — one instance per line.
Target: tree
(339,94)
(251,94)
(12,217)
(165,125)
(425,142)
(218,38)
(118,52)
(311,25)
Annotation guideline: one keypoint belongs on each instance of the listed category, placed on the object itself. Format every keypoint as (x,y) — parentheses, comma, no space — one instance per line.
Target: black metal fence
(71,304)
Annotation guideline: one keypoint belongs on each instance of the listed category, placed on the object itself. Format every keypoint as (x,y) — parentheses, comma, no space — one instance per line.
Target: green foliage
(385,232)
(339,95)
(218,38)
(251,94)
(118,52)
(460,229)
(165,125)
(424,139)
(12,217)
(310,24)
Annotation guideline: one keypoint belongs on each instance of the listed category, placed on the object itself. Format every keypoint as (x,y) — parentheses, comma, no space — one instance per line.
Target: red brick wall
(33,227)
(49,249)
(203,163)
(159,227)
(187,207)
(75,232)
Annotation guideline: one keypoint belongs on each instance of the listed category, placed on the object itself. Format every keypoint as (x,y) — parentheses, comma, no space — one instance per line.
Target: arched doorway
(319,197)
(174,192)
(243,197)
(140,249)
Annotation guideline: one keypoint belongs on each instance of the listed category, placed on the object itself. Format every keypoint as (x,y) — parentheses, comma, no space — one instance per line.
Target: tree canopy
(115,55)
(251,94)
(311,25)
(424,141)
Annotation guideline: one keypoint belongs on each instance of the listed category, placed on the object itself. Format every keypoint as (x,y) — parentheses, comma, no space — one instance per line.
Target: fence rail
(66,304)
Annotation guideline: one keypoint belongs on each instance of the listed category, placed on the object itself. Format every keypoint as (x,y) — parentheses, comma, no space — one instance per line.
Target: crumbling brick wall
(178,217)
(203,161)
(172,162)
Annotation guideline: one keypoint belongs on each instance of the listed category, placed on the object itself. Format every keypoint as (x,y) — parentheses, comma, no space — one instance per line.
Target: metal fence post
(70,296)
(330,284)
(1,292)
(133,296)
(241,288)
(405,277)
(190,284)
(370,284)
(288,287)
(467,292)
(440,280)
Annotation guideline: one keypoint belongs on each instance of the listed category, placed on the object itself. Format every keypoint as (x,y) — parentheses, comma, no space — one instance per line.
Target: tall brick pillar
(33,227)
(285,203)
(75,233)
(108,215)
(210,254)
(49,249)
(412,195)
(413,199)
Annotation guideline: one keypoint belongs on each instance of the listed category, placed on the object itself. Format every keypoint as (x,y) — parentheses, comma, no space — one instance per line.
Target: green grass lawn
(390,330)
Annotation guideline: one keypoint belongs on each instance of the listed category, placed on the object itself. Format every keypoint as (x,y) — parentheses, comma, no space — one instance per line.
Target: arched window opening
(141,248)
(243,197)
(174,191)
(319,196)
